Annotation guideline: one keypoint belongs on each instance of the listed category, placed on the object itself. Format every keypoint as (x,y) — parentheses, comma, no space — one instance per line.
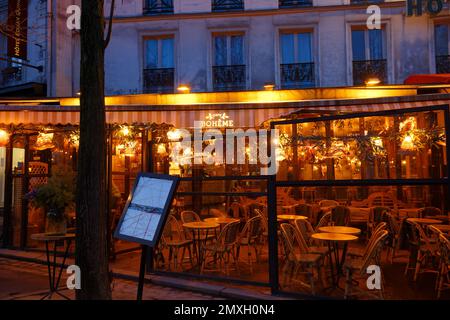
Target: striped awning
(243,115)
(373,107)
(182,119)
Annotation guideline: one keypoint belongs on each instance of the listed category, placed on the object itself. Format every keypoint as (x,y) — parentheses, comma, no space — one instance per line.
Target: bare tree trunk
(91,243)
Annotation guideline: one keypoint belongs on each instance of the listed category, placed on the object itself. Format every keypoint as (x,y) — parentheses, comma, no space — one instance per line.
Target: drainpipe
(49,66)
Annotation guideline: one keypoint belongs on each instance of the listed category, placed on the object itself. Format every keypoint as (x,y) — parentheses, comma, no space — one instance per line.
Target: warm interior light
(183,88)
(79,93)
(373,82)
(269,86)
(4,138)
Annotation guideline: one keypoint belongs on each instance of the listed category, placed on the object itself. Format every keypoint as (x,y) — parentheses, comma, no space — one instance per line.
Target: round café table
(221,220)
(333,240)
(52,266)
(341,230)
(290,217)
(197,228)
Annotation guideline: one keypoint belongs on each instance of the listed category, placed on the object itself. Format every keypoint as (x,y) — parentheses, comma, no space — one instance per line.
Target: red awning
(443,78)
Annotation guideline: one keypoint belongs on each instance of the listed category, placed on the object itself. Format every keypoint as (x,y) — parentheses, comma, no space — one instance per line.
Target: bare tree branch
(111,15)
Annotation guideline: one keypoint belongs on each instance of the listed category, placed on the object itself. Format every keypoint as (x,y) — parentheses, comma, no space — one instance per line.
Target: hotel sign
(17,28)
(217,120)
(417,7)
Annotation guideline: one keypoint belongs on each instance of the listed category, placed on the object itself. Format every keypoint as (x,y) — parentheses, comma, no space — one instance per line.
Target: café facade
(356,147)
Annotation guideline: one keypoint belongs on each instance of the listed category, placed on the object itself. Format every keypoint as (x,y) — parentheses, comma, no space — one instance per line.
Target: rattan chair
(223,248)
(376,215)
(429,212)
(250,238)
(306,230)
(358,267)
(174,240)
(340,216)
(422,249)
(298,259)
(443,282)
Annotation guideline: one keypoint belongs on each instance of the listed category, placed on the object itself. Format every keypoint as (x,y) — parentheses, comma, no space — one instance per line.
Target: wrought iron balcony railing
(158,7)
(295,3)
(159,80)
(11,75)
(229,78)
(365,1)
(442,64)
(367,69)
(297,75)
(227,5)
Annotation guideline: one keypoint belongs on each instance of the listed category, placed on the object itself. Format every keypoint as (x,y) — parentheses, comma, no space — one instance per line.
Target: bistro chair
(249,237)
(324,221)
(237,211)
(394,234)
(305,230)
(356,252)
(174,239)
(358,267)
(328,203)
(190,216)
(429,212)
(422,250)
(376,215)
(443,282)
(223,248)
(382,199)
(298,259)
(265,226)
(340,216)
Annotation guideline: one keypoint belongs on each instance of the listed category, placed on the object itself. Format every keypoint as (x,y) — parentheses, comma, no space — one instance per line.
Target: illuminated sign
(417,7)
(217,120)
(17,28)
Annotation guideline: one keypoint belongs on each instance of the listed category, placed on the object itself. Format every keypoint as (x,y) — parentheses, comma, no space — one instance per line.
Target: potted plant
(56,198)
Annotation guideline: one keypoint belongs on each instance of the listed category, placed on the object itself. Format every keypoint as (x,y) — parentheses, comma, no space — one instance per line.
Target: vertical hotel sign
(17,28)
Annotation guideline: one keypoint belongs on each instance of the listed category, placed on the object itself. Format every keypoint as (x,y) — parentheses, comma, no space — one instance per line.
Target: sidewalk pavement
(226,291)
(21,280)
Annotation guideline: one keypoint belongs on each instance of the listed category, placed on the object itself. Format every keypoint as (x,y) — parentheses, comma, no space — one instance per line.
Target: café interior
(358,192)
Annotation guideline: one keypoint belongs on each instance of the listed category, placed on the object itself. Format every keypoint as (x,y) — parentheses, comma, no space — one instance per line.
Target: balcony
(229,78)
(366,69)
(156,7)
(442,64)
(11,75)
(159,80)
(365,1)
(297,75)
(295,3)
(227,5)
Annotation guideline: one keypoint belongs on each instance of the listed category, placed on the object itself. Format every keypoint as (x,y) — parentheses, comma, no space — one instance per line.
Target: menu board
(146,210)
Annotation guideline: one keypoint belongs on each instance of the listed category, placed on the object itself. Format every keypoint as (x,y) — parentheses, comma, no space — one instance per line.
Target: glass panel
(237,50)
(220,51)
(376,44)
(441,39)
(358,45)
(2,176)
(304,47)
(167,53)
(287,48)
(405,146)
(152,54)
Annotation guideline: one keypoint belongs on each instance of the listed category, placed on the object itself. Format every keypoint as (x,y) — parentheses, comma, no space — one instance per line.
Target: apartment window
(159,65)
(158,7)
(369,55)
(441,41)
(297,64)
(295,3)
(229,69)
(227,5)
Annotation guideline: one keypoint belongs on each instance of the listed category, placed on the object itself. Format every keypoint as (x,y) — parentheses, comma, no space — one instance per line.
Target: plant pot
(56,225)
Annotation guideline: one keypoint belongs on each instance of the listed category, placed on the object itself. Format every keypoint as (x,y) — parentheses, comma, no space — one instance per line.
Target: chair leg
(418,265)
(190,256)
(348,284)
(311,280)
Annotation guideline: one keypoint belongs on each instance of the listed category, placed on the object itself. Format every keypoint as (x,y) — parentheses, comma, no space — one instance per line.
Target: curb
(176,283)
